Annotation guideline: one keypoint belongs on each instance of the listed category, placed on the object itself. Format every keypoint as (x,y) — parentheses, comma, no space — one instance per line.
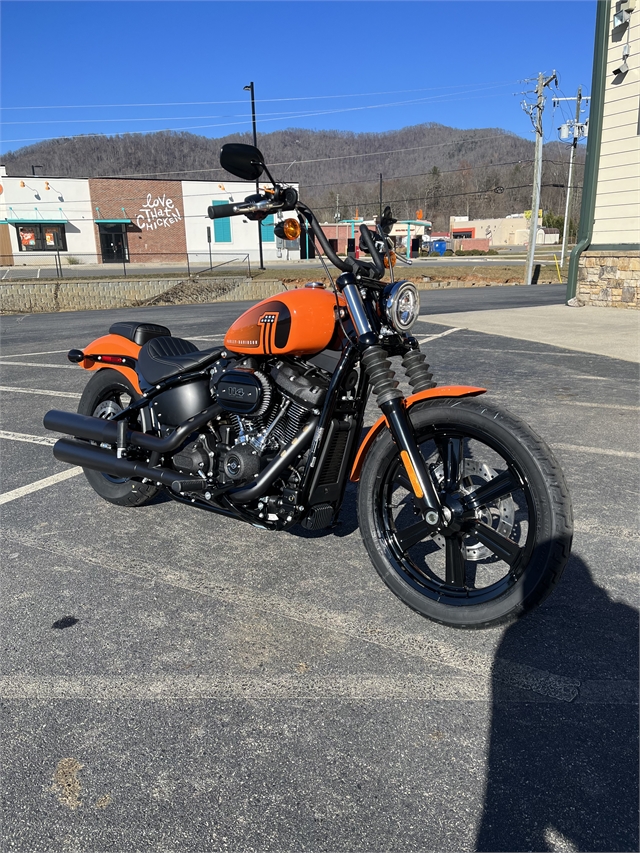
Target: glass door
(113,244)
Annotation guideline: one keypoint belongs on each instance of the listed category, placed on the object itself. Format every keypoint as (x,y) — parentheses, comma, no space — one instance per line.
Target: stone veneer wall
(609,280)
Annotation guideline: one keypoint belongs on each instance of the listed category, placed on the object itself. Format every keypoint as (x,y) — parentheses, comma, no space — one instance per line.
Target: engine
(267,405)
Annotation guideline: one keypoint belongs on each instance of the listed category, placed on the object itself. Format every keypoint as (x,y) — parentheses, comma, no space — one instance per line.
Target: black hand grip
(220,211)
(375,255)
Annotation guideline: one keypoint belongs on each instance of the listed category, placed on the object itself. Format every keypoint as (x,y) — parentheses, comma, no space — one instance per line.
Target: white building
(116,220)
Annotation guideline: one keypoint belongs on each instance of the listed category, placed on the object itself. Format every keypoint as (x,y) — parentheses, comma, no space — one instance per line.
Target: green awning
(112,221)
(31,220)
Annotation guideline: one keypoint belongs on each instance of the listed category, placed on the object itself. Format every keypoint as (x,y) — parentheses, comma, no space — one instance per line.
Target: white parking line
(32,439)
(425,339)
(40,391)
(4,363)
(23,354)
(598,451)
(39,484)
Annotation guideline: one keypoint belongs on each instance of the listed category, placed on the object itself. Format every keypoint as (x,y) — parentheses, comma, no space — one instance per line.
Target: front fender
(381,423)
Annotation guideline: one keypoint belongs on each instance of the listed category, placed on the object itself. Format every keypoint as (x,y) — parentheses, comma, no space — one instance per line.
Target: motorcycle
(462,508)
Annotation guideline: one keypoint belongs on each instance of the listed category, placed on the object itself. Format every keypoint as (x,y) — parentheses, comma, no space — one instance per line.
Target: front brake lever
(404,260)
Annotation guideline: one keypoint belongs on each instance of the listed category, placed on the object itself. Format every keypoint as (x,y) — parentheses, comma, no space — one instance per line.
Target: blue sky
(79,67)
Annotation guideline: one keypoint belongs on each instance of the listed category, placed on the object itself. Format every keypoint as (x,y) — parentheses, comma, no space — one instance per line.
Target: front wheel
(106,394)
(507,524)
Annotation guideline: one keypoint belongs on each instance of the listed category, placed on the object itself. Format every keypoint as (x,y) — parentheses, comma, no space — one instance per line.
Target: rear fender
(381,423)
(112,345)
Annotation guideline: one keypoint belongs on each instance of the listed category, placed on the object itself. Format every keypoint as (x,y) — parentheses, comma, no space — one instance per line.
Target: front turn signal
(288,230)
(391,257)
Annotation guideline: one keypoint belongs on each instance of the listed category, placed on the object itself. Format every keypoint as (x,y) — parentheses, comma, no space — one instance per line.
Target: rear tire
(501,553)
(107,393)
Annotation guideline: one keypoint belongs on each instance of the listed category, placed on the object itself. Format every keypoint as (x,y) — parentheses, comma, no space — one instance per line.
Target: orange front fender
(112,345)
(381,423)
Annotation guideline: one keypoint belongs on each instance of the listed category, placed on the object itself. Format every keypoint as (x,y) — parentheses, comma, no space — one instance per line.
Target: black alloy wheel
(506,528)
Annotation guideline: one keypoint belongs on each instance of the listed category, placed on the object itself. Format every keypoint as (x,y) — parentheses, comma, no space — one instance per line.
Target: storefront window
(221,227)
(39,237)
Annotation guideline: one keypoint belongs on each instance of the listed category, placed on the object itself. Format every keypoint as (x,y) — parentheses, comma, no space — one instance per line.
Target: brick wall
(609,281)
(156,210)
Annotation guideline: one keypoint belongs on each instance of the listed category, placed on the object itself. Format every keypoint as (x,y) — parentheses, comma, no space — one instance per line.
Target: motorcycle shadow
(563,775)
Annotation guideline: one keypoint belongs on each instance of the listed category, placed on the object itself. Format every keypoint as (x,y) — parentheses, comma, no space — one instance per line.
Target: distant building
(127,220)
(511,231)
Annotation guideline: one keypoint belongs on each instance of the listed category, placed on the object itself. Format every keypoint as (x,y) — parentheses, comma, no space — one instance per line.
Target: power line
(470,92)
(258,101)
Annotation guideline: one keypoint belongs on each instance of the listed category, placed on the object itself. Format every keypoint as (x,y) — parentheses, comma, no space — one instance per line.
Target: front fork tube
(425,495)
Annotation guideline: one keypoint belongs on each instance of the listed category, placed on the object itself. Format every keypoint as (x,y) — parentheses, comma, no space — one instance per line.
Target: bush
(448,252)
(72,261)
(467,252)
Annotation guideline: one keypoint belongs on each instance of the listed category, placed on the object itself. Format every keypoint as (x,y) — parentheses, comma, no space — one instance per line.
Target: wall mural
(158,212)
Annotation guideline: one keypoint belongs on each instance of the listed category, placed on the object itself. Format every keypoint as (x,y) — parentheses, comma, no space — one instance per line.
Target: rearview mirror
(244,161)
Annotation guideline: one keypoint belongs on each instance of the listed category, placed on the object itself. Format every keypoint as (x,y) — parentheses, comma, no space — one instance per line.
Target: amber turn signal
(390,257)
(291,229)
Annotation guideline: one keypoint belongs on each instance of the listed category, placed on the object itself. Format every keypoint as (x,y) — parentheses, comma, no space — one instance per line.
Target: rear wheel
(506,533)
(107,393)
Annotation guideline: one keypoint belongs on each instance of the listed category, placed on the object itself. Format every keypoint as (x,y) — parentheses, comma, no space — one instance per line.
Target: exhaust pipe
(105,431)
(274,469)
(99,459)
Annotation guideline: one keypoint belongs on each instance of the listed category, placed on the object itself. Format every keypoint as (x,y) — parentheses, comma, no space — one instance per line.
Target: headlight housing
(401,304)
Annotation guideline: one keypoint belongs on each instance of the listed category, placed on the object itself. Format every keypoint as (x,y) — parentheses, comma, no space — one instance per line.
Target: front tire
(107,393)
(508,525)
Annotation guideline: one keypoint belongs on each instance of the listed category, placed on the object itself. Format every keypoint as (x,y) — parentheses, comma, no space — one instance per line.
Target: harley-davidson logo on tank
(300,322)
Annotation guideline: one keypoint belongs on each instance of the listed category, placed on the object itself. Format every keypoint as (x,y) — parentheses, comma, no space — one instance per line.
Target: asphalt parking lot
(176,681)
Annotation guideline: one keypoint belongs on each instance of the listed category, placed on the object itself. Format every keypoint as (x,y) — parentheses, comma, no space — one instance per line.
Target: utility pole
(535,114)
(575,132)
(380,196)
(249,88)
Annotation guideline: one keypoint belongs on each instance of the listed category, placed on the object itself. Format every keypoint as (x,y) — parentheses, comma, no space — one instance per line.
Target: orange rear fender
(112,345)
(381,423)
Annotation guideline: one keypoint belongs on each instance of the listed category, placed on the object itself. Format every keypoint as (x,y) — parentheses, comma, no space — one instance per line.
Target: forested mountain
(439,170)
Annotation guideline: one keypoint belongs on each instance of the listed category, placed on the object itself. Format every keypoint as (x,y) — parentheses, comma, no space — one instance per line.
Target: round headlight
(401,305)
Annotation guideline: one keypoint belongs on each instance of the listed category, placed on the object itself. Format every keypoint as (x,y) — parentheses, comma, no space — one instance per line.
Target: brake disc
(499,514)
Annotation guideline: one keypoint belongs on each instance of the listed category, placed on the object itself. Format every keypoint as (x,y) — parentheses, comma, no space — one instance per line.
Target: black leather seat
(139,333)
(164,356)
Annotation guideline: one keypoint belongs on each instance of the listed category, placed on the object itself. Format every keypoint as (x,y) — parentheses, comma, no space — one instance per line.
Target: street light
(249,88)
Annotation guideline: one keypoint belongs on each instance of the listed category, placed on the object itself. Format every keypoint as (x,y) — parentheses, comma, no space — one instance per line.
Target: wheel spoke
(410,536)
(455,565)
(452,452)
(502,547)
(501,486)
(403,480)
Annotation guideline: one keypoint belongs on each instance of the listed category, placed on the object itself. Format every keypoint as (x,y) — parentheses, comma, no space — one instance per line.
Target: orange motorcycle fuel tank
(297,322)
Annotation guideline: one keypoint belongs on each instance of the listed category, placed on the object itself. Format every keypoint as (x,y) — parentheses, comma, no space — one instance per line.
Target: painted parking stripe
(425,339)
(39,484)
(32,439)
(598,451)
(4,363)
(23,354)
(40,391)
